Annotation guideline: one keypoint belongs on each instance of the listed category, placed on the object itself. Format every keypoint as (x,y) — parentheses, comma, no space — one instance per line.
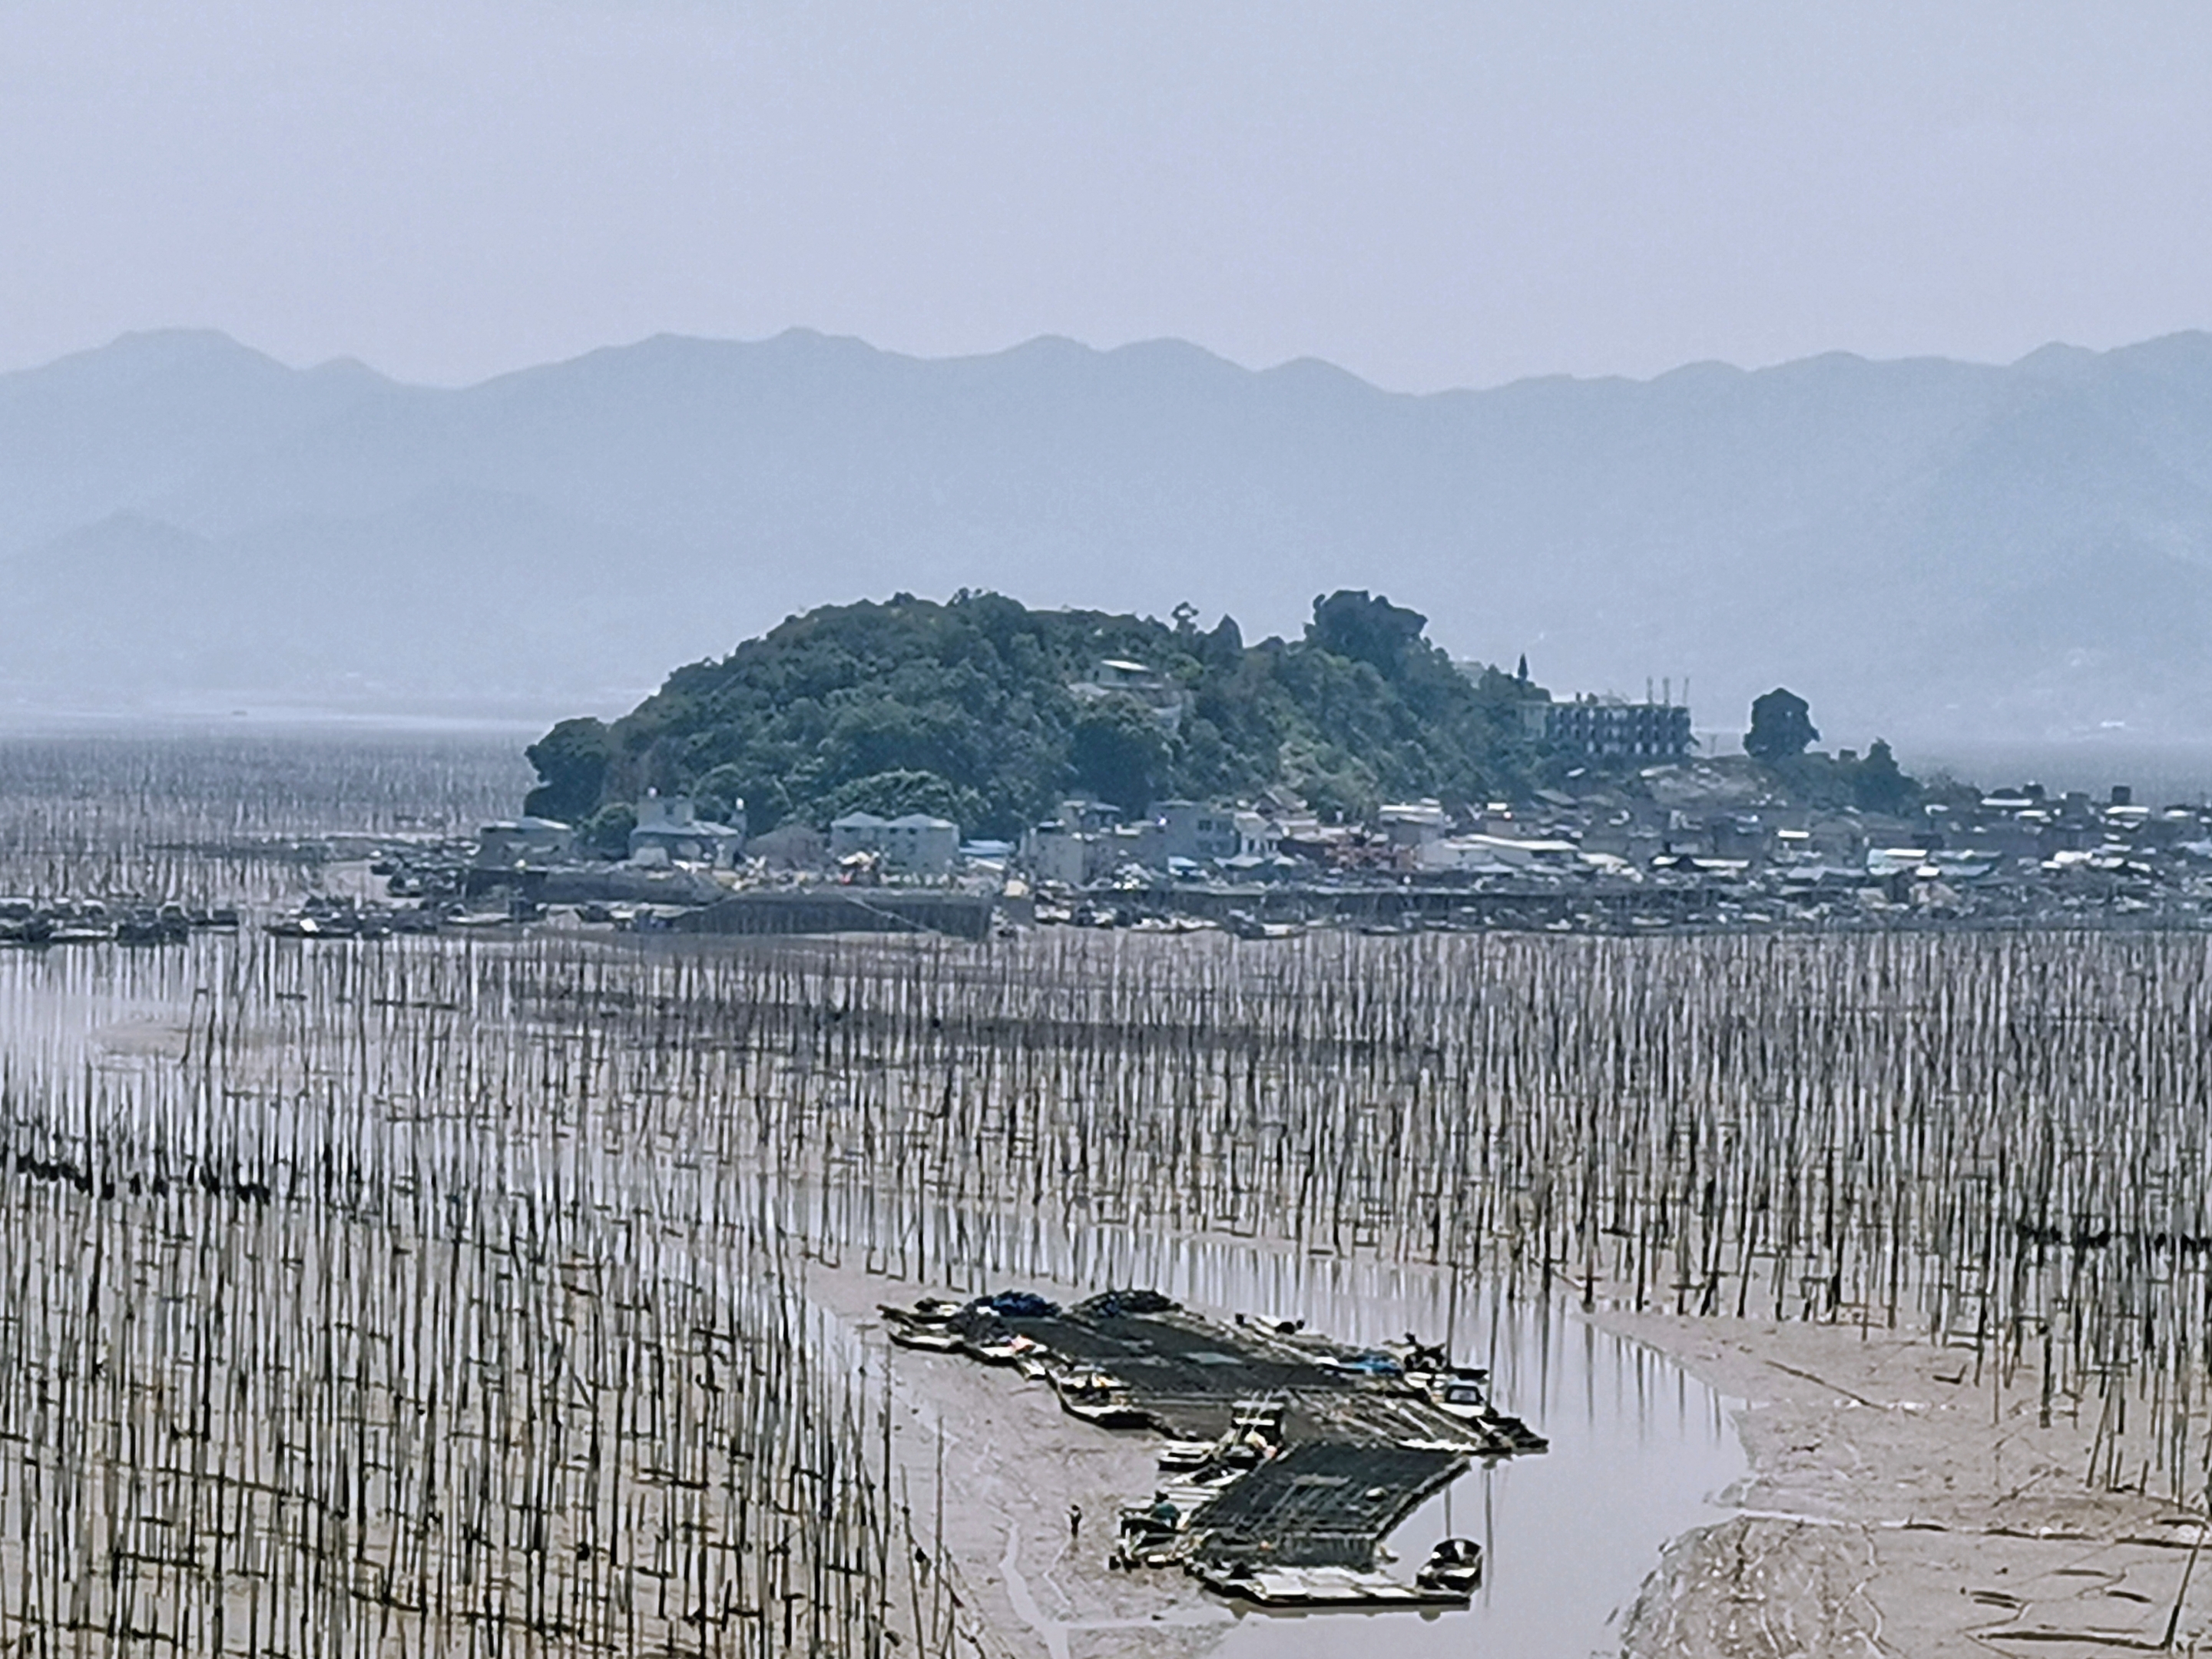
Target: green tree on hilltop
(572,761)
(896,794)
(1880,785)
(1370,631)
(1781,727)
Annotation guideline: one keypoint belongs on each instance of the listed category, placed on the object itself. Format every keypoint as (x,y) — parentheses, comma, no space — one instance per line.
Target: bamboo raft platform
(1288,1455)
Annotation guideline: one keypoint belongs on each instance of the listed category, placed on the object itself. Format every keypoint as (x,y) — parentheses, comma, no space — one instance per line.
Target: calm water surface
(1641,1451)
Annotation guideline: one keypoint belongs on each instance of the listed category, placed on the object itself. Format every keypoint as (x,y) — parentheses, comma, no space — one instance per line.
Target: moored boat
(1453,1566)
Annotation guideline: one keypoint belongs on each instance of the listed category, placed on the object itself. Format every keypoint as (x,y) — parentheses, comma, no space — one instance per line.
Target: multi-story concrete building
(1609,727)
(1191,830)
(915,844)
(671,825)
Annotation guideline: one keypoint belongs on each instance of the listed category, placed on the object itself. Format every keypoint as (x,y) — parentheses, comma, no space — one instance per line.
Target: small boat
(925,1308)
(1179,1455)
(1373,1362)
(1461,1391)
(1457,1391)
(926,1326)
(1149,1536)
(1453,1566)
(1096,1397)
(997,1347)
(929,1339)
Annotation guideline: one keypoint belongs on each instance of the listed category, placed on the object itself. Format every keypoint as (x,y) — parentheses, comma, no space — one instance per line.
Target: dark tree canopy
(1120,753)
(572,769)
(1880,785)
(607,831)
(963,709)
(1781,726)
(1369,631)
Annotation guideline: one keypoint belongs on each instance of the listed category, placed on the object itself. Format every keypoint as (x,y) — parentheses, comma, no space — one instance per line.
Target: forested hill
(966,710)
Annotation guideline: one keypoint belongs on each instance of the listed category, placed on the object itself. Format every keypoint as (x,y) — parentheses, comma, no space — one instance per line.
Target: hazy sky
(1433,195)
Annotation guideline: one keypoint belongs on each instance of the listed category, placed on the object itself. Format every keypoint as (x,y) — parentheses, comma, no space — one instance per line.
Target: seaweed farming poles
(110,814)
(357,1333)
(1998,1140)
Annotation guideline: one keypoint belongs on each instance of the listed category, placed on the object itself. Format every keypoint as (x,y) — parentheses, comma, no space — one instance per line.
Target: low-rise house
(1198,833)
(1143,844)
(792,845)
(1256,836)
(1611,832)
(1117,677)
(670,826)
(1088,816)
(1458,856)
(1413,823)
(1057,852)
(1498,853)
(914,844)
(511,841)
(1740,836)
(1306,837)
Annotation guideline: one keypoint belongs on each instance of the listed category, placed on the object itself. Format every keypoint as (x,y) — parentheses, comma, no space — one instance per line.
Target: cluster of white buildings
(914,844)
(670,831)
(1087,841)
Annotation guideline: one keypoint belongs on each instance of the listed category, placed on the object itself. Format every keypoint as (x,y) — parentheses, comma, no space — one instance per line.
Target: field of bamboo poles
(363,1323)
(1997,1141)
(448,1295)
(110,814)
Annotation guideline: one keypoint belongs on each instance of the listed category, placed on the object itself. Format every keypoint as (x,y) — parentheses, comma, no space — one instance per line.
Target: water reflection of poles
(1489,1529)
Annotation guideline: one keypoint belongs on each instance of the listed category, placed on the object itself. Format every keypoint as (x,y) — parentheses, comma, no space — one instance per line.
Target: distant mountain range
(1924,548)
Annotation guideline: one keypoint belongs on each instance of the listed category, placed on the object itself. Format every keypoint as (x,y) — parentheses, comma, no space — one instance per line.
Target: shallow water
(1640,1450)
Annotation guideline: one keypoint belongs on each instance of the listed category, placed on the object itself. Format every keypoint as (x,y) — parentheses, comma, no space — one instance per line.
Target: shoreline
(1899,1504)
(1014,1462)
(1895,1503)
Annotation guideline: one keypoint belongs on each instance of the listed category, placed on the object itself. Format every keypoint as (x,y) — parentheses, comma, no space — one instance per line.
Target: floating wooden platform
(1323,1586)
(1323,1503)
(1290,1457)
